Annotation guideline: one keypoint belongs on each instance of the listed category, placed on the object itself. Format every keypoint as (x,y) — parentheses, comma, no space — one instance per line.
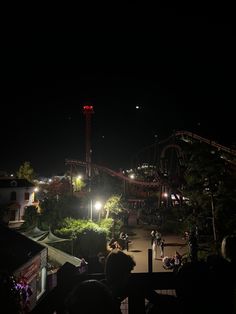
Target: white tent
(51,238)
(61,257)
(35,233)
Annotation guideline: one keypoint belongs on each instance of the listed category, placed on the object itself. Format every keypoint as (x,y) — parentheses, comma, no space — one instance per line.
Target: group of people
(157,241)
(197,286)
(201,286)
(173,262)
(122,243)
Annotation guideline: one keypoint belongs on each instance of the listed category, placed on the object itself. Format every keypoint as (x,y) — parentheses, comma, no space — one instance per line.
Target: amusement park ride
(167,166)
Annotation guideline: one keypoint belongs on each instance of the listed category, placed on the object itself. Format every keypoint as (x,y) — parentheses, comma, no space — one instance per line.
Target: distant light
(165,194)
(137,107)
(79,177)
(50,180)
(132,176)
(12,175)
(36,190)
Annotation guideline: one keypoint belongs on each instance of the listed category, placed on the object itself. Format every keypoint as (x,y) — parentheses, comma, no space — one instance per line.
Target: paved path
(141,241)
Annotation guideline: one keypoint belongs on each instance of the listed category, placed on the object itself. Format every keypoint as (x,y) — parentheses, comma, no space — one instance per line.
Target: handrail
(138,283)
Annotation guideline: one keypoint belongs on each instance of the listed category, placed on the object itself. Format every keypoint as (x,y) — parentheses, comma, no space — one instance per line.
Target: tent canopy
(35,233)
(51,238)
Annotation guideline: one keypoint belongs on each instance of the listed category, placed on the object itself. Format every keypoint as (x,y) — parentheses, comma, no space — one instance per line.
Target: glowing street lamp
(98,206)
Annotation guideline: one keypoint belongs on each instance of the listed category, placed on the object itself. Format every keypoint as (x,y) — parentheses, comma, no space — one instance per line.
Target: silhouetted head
(117,269)
(228,248)
(89,297)
(118,264)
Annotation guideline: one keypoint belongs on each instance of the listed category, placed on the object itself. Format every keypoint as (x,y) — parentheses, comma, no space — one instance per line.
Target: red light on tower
(88,109)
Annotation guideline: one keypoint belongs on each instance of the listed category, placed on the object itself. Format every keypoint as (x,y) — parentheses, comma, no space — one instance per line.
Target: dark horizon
(181,74)
(49,137)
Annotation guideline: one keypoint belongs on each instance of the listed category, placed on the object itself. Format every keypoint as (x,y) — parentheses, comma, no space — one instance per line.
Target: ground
(140,238)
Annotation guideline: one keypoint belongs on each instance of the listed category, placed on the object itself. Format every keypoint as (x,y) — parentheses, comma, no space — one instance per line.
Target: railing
(139,283)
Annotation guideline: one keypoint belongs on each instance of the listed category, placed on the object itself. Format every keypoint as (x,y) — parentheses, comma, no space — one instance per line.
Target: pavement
(140,237)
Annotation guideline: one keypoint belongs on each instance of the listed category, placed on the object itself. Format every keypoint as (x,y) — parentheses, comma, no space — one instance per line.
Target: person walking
(158,237)
(153,236)
(162,246)
(154,248)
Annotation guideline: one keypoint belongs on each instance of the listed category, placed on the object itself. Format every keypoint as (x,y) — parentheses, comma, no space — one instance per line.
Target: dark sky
(180,71)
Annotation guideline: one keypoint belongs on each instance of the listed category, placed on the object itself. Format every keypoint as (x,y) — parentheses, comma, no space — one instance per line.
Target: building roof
(61,257)
(54,254)
(16,249)
(15,183)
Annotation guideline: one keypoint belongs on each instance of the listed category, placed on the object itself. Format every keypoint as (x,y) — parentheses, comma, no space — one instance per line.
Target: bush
(88,237)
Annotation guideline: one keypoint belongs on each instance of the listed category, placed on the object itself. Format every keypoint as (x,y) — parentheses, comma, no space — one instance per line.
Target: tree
(59,188)
(210,187)
(113,206)
(31,215)
(54,210)
(78,184)
(26,172)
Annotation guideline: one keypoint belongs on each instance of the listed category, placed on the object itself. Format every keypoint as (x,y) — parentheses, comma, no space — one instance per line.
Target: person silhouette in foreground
(228,248)
(198,290)
(89,297)
(228,252)
(118,267)
(208,286)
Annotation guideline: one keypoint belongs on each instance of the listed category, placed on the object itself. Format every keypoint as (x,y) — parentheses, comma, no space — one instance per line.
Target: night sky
(180,71)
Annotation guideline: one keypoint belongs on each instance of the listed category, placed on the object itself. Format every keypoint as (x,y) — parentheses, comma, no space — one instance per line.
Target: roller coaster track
(202,139)
(209,142)
(160,181)
(120,175)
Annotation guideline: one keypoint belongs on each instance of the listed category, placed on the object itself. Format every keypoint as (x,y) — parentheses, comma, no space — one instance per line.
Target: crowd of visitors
(201,286)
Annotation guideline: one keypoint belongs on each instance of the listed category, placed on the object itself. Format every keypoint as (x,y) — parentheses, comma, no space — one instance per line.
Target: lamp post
(210,187)
(213,217)
(91,210)
(97,205)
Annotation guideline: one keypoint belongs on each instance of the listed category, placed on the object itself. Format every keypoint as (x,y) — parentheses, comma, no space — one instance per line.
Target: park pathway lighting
(98,206)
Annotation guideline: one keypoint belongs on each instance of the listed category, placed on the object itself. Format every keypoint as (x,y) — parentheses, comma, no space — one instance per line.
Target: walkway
(141,242)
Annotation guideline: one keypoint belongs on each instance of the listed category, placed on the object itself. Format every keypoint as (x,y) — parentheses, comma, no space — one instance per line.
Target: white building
(15,196)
